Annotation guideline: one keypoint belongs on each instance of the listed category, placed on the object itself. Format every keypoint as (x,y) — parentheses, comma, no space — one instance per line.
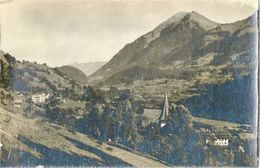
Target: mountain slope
(31,77)
(73,73)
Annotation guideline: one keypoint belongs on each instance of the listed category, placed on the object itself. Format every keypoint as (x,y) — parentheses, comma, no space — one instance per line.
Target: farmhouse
(40,98)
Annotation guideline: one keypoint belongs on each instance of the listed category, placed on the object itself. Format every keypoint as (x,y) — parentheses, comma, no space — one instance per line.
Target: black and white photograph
(129,83)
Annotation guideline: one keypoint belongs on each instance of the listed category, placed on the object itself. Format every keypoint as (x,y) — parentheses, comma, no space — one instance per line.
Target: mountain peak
(204,22)
(195,13)
(193,16)
(179,17)
(175,18)
(156,32)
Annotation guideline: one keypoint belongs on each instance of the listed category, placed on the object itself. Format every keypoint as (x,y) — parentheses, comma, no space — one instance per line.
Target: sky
(61,32)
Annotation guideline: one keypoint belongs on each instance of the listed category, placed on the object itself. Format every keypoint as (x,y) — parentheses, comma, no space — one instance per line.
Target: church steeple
(165,112)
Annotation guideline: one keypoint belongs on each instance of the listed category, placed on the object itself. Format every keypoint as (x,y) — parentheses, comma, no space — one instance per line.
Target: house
(216,139)
(246,127)
(221,142)
(18,102)
(18,99)
(40,98)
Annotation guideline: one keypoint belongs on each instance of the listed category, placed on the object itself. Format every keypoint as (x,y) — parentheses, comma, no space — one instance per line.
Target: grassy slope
(59,138)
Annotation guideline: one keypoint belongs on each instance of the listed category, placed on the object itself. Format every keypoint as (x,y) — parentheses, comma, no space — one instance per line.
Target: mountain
(190,54)
(73,73)
(32,77)
(161,47)
(90,67)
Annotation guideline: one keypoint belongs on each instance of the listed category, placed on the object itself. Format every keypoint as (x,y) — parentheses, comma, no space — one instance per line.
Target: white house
(18,102)
(221,142)
(40,98)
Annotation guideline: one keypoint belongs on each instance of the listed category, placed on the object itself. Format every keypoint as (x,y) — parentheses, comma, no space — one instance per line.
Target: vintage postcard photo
(118,83)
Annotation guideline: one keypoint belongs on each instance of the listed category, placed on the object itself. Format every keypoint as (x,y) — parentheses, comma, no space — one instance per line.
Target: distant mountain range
(90,67)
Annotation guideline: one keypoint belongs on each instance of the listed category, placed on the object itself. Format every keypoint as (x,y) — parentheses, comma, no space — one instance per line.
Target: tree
(95,121)
(6,75)
(179,122)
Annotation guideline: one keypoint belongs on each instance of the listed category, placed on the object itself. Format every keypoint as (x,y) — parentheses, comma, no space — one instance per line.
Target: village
(215,133)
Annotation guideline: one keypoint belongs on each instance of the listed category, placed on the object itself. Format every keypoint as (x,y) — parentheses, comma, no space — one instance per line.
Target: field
(68,103)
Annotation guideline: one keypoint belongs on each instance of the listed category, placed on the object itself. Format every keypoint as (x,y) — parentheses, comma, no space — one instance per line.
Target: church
(163,118)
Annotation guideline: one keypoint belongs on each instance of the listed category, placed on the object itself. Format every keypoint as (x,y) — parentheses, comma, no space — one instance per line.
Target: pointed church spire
(165,112)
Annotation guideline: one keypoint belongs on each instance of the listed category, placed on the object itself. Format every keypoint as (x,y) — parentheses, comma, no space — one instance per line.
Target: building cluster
(221,142)
(217,140)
